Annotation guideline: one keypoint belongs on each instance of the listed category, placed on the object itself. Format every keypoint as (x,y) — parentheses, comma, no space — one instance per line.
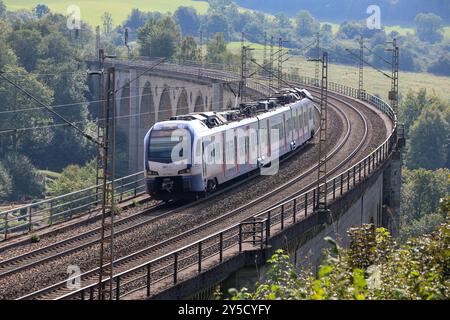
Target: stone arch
(199,106)
(147,114)
(123,116)
(165,105)
(183,105)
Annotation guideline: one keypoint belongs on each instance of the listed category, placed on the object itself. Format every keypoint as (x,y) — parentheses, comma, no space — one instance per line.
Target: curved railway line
(145,254)
(13,266)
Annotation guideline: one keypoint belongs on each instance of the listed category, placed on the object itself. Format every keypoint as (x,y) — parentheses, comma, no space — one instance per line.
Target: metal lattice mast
(271,63)
(106,264)
(265,48)
(243,69)
(201,48)
(97,41)
(361,68)
(280,62)
(322,167)
(100,121)
(317,69)
(393,94)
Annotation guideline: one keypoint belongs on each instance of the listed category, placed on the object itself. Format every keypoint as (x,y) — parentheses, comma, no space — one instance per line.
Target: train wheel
(212,185)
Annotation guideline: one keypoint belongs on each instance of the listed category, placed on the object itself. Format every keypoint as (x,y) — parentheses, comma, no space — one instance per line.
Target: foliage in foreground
(373,267)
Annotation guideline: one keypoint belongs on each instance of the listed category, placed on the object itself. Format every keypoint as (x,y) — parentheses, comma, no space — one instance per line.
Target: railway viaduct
(148,97)
(375,199)
(365,192)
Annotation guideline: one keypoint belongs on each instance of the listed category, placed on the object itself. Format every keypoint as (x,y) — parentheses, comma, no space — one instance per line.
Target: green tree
(7,55)
(254,31)
(216,48)
(306,24)
(421,192)
(374,267)
(26,182)
(429,27)
(12,101)
(282,21)
(5,183)
(188,20)
(412,106)
(441,66)
(73,178)
(41,10)
(26,44)
(216,23)
(189,50)
(2,9)
(350,30)
(159,38)
(428,139)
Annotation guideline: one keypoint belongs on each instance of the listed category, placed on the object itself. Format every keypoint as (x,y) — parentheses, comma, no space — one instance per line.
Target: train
(189,156)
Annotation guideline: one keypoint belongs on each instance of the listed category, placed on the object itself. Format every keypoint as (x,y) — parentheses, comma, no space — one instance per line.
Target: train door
(204,163)
(296,125)
(230,152)
(285,126)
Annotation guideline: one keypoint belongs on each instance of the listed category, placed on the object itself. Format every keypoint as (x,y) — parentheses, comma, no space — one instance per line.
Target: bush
(441,67)
(5,183)
(372,268)
(26,182)
(73,178)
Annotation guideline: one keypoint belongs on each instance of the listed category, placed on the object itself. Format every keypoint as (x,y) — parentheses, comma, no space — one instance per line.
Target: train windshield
(168,146)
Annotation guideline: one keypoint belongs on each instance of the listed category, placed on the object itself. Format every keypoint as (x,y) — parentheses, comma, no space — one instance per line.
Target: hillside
(91,11)
(399,11)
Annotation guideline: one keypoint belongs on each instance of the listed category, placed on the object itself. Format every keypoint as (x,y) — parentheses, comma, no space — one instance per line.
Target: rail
(41,214)
(255,232)
(28,218)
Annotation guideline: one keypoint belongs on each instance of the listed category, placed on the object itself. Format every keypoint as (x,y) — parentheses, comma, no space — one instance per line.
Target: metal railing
(255,232)
(38,215)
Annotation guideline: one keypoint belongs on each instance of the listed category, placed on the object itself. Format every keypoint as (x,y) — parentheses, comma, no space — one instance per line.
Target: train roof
(248,113)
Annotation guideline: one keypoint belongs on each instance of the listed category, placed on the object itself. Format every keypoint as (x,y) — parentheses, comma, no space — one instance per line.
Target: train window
(247,149)
(162,145)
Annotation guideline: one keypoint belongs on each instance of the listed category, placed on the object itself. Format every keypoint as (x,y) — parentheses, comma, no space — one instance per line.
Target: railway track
(59,290)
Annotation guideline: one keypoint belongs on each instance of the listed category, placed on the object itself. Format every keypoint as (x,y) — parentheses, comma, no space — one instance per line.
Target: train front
(171,171)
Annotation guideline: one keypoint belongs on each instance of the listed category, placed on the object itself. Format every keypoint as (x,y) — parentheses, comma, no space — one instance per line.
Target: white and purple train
(191,155)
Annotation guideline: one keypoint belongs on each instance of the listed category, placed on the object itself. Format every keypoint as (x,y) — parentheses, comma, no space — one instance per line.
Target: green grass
(92,10)
(447,32)
(403,31)
(375,82)
(334,26)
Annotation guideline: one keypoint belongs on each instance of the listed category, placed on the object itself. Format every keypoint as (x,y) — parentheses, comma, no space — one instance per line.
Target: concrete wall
(304,241)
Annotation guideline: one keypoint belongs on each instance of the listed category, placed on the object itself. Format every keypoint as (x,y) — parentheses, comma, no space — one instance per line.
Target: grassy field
(91,11)
(405,30)
(375,82)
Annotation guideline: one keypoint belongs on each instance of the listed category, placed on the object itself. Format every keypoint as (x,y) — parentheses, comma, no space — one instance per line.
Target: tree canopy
(374,267)
(159,38)
(188,20)
(429,27)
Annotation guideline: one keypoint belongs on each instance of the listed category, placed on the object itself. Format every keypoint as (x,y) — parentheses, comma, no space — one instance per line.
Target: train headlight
(184,171)
(152,173)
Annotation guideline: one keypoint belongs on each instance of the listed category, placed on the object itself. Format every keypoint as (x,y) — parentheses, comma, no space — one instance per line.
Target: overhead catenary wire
(357,58)
(171,89)
(49,109)
(49,126)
